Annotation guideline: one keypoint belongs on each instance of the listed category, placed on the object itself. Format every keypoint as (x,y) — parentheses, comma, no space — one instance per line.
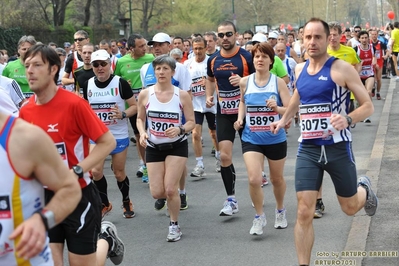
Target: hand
(234,79)
(238,125)
(172,132)
(209,102)
(143,140)
(276,126)
(33,237)
(116,113)
(338,122)
(272,104)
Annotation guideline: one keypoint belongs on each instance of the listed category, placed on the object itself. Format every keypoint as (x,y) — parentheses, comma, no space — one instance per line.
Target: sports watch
(349,120)
(47,218)
(78,170)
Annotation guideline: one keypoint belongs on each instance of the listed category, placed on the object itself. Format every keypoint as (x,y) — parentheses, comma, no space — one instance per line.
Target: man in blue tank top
(323,90)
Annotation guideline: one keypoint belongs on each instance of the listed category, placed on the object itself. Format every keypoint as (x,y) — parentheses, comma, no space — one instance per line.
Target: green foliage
(9,39)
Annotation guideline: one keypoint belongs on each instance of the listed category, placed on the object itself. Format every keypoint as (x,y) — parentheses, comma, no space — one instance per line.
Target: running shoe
(218,167)
(174,233)
(372,201)
(128,210)
(257,225)
(378,96)
(117,251)
(281,220)
(264,180)
(105,209)
(198,171)
(183,202)
(372,92)
(160,204)
(144,178)
(213,150)
(230,207)
(319,211)
(139,172)
(132,139)
(367,120)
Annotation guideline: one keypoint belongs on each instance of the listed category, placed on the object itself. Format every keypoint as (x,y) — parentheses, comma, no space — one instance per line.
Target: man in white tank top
(29,161)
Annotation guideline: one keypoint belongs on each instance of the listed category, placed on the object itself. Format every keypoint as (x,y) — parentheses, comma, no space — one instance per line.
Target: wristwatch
(78,170)
(47,218)
(349,120)
(182,131)
(123,115)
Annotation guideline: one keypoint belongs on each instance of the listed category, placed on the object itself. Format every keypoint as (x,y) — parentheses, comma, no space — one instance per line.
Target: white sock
(182,191)
(141,162)
(199,161)
(217,154)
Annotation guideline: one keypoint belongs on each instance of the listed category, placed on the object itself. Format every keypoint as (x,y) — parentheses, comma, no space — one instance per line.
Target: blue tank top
(323,94)
(258,116)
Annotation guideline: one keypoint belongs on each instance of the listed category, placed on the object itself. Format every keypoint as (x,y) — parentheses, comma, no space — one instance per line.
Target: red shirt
(70,122)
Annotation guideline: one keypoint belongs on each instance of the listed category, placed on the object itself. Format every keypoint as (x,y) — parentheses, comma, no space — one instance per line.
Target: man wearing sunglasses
(107,95)
(75,60)
(224,71)
(354,42)
(82,74)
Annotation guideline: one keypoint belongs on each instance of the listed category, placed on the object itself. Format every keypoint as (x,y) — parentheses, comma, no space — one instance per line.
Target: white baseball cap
(259,37)
(273,35)
(101,55)
(160,37)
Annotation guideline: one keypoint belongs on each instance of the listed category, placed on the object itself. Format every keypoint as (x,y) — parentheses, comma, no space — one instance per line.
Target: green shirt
(128,68)
(278,68)
(16,70)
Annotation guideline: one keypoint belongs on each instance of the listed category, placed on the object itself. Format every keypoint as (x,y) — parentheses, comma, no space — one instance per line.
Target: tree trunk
(87,13)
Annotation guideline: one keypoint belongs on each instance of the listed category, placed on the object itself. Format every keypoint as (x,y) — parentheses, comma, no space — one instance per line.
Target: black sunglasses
(79,39)
(60,54)
(228,34)
(97,64)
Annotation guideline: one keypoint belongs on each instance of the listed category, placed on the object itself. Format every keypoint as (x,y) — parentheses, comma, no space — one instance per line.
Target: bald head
(280,50)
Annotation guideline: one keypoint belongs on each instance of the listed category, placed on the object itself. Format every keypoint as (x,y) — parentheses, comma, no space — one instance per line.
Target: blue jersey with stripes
(320,97)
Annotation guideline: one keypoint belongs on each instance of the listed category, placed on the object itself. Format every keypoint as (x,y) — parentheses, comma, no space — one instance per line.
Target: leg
(57,250)
(174,167)
(276,168)
(82,260)
(304,233)
(253,162)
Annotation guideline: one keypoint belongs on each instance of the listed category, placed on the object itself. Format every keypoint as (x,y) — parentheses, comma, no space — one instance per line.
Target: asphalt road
(209,239)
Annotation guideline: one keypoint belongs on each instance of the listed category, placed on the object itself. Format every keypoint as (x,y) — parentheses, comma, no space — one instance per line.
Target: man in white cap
(161,45)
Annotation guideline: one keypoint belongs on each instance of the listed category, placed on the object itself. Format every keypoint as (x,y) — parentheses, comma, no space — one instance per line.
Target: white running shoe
(264,179)
(174,233)
(257,225)
(218,167)
(230,207)
(281,220)
(198,171)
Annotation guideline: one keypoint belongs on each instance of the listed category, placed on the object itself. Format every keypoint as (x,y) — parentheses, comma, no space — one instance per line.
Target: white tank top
(298,48)
(102,100)
(20,197)
(161,116)
(198,72)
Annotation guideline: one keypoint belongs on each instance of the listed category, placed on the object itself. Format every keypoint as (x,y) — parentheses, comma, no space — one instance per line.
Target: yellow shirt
(395,38)
(345,53)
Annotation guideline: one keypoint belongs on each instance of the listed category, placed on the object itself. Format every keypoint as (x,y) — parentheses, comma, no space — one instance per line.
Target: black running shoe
(183,202)
(160,204)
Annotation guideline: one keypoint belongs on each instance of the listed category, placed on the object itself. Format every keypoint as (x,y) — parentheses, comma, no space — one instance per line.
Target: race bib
(27,94)
(315,120)
(378,54)
(61,148)
(197,89)
(229,101)
(103,111)
(161,121)
(259,118)
(136,93)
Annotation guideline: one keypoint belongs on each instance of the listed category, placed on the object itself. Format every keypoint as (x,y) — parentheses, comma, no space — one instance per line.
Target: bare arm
(242,107)
(210,91)
(34,154)
(295,56)
(65,80)
(141,116)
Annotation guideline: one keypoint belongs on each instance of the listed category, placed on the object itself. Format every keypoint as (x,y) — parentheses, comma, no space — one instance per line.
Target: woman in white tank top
(161,107)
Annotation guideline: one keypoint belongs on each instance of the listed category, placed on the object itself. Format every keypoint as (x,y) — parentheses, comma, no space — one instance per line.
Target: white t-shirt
(13,89)
(6,104)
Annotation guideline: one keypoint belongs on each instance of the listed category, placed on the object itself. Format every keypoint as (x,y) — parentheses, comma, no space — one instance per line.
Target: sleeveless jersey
(289,65)
(102,100)
(20,197)
(161,116)
(198,74)
(258,116)
(378,52)
(321,97)
(297,48)
(288,51)
(76,62)
(366,55)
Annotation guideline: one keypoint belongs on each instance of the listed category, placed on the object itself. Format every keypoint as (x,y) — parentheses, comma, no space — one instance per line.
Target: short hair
(52,44)
(196,35)
(334,25)
(357,27)
(131,42)
(27,38)
(48,54)
(89,44)
(395,24)
(228,23)
(291,34)
(60,50)
(176,51)
(363,32)
(178,38)
(198,40)
(82,32)
(187,40)
(164,59)
(264,48)
(248,32)
(105,41)
(282,34)
(325,25)
(211,33)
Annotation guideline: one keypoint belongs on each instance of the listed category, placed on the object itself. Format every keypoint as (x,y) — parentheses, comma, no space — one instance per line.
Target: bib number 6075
(314,124)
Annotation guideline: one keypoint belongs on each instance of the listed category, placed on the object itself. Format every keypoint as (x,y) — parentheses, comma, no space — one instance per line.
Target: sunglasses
(79,39)
(357,31)
(121,47)
(228,34)
(60,55)
(102,63)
